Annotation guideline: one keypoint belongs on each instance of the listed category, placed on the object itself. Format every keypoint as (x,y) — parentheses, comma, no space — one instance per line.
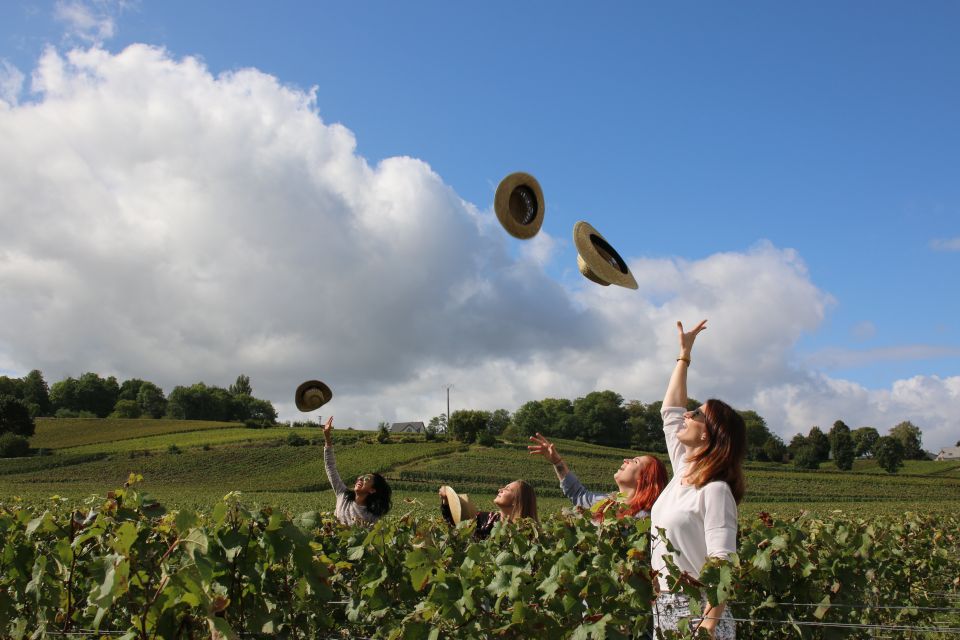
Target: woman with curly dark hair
(368,501)
(698,508)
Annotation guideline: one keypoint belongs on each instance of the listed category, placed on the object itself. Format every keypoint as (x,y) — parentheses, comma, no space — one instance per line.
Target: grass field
(90,456)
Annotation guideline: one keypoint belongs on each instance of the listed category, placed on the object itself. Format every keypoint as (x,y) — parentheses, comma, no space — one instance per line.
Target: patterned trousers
(671,608)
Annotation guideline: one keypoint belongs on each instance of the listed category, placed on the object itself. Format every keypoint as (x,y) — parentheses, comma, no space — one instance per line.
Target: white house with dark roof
(949,453)
(407,427)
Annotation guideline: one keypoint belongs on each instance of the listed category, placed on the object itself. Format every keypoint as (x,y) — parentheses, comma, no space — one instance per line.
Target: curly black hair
(379,502)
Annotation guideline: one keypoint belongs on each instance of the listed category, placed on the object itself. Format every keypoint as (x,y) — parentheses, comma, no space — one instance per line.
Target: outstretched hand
(687,338)
(328,429)
(545,448)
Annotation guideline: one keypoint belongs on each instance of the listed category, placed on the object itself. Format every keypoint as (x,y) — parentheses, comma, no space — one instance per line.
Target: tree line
(604,418)
(93,396)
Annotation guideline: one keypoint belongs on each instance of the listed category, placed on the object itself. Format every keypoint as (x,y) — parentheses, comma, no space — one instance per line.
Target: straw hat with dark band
(460,506)
(520,205)
(597,260)
(311,395)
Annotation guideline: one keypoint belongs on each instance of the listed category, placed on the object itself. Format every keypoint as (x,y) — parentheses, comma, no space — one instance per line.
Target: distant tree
(36,394)
(911,439)
(383,432)
(645,426)
(15,417)
(430,432)
(774,449)
(12,387)
(89,392)
(438,423)
(820,443)
(556,410)
(757,434)
(246,407)
(889,454)
(958,444)
(864,440)
(841,445)
(13,446)
(151,401)
(603,418)
(805,457)
(569,426)
(199,402)
(486,439)
(126,409)
(129,389)
(242,386)
(530,419)
(499,421)
(798,441)
(466,425)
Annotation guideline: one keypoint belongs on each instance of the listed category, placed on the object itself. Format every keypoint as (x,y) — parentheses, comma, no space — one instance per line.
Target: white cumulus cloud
(160,221)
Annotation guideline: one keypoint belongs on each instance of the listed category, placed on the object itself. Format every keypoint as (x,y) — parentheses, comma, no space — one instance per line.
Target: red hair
(651,479)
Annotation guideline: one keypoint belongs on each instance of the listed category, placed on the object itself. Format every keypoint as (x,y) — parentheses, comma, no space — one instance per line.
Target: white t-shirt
(700,523)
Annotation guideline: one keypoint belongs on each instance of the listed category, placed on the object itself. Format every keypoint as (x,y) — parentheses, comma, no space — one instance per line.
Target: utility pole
(447,387)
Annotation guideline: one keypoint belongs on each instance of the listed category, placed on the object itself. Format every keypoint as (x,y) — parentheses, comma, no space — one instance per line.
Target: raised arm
(676,395)
(329,461)
(545,448)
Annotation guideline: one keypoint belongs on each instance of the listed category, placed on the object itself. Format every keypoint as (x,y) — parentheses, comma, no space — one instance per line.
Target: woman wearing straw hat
(368,501)
(698,508)
(639,480)
(514,501)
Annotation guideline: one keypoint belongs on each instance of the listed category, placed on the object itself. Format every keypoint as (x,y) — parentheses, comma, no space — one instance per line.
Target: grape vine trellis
(123,566)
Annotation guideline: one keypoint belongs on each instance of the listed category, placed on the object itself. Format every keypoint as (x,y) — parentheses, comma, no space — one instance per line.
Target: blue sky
(680,131)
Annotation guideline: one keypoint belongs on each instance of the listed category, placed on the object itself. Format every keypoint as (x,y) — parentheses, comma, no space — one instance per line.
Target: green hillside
(193,464)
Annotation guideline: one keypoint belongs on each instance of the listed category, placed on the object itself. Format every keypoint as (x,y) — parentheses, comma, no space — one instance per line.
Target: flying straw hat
(597,260)
(460,506)
(520,205)
(311,395)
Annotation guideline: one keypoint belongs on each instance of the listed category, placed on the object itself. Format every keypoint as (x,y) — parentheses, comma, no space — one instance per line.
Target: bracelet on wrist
(684,359)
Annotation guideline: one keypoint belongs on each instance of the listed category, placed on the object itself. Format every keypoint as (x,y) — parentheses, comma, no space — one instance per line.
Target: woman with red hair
(697,511)
(639,480)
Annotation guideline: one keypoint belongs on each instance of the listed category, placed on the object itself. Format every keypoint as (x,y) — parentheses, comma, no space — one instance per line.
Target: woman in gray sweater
(367,502)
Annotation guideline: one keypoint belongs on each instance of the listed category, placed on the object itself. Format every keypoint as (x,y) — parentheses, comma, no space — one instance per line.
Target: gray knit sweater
(347,511)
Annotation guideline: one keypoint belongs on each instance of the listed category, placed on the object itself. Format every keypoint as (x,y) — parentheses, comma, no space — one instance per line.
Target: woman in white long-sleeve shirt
(698,508)
(368,501)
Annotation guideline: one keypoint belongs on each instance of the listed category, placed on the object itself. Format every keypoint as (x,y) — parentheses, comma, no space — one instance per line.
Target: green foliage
(531,418)
(242,386)
(295,440)
(15,417)
(645,426)
(910,438)
(89,392)
(806,458)
(841,446)
(603,419)
(36,394)
(383,433)
(889,453)
(123,564)
(820,443)
(465,425)
(202,402)
(126,409)
(864,440)
(486,439)
(773,449)
(13,446)
(151,400)
(498,422)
